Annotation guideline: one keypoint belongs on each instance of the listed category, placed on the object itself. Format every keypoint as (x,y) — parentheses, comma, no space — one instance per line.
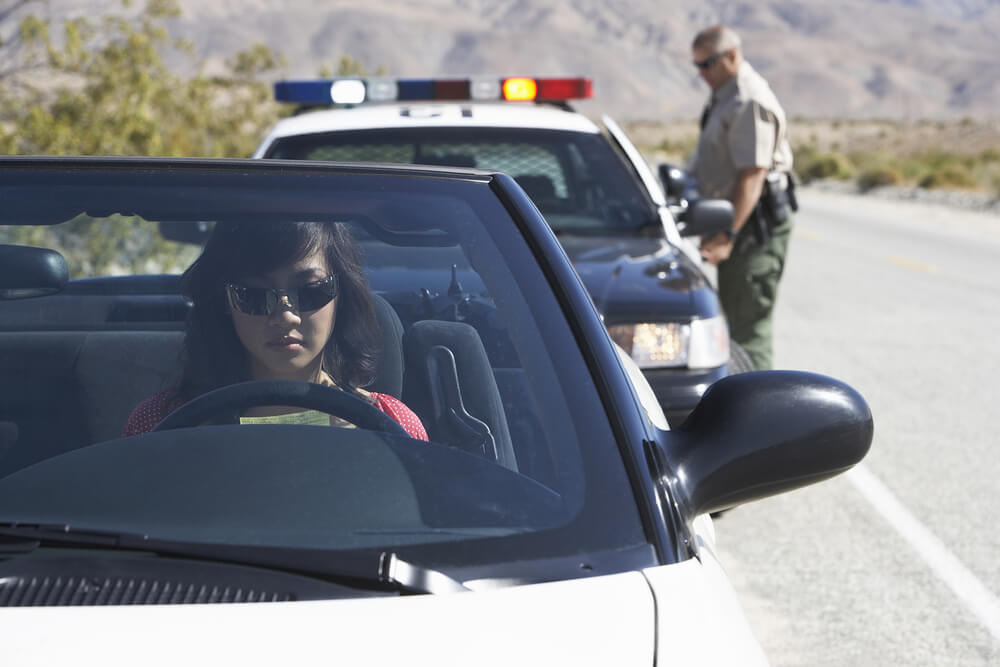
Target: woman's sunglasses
(266,300)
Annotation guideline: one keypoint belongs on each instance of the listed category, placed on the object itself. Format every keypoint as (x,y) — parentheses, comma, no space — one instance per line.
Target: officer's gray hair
(717,39)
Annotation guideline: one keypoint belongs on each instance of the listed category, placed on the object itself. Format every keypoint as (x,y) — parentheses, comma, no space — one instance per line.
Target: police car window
(538,167)
(576,179)
(402,153)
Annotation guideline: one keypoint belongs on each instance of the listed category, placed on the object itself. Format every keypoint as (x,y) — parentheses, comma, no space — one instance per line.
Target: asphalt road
(897,562)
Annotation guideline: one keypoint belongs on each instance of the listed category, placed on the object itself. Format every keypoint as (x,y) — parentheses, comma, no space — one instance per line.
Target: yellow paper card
(308,417)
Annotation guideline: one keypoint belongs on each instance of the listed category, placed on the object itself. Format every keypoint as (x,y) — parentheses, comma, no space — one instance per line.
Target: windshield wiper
(381,570)
(416,577)
(38,533)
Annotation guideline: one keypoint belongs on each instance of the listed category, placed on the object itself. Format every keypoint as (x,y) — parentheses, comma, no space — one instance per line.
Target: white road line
(983,603)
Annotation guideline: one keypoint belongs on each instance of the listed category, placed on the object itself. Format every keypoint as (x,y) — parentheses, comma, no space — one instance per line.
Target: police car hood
(634,278)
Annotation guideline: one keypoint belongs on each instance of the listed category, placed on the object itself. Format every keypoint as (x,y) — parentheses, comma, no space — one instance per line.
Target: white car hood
(606,620)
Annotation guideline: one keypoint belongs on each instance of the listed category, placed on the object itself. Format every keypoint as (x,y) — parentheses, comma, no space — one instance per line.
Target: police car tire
(739,360)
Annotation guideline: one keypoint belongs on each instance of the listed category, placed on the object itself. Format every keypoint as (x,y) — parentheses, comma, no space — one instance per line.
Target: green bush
(949,176)
(939,159)
(875,177)
(990,155)
(811,165)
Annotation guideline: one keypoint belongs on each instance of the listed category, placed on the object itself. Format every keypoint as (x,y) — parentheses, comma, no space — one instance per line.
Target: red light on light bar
(453,89)
(565,89)
(519,89)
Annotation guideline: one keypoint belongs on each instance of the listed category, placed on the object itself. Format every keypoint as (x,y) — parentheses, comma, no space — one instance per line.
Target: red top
(151,412)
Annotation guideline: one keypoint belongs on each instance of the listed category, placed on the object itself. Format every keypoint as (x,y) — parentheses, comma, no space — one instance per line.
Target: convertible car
(551,516)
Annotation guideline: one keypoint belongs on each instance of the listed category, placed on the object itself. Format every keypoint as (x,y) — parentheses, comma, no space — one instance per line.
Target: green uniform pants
(748,288)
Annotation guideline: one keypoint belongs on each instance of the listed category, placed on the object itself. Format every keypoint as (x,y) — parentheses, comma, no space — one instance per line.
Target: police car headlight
(698,344)
(709,345)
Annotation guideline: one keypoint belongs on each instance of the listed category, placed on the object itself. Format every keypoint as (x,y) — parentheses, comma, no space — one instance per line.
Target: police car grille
(89,591)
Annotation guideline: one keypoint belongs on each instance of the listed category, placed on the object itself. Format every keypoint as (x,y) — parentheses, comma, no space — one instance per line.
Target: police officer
(743,156)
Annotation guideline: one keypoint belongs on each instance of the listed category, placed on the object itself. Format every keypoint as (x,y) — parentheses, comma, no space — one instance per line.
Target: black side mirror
(707,217)
(674,181)
(27,272)
(762,433)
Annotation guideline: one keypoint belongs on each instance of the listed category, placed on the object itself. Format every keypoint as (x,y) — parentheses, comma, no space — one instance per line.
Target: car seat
(449,382)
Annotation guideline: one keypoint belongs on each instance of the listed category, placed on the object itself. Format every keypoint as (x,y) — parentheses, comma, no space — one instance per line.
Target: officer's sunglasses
(709,62)
(266,300)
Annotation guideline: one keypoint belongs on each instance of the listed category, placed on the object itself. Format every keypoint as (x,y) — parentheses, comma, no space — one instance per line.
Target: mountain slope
(853,58)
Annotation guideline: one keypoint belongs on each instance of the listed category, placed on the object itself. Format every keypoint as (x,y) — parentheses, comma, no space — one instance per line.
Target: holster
(774,207)
(755,231)
(775,204)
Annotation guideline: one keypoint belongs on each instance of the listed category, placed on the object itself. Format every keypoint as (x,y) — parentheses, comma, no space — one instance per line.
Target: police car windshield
(577,180)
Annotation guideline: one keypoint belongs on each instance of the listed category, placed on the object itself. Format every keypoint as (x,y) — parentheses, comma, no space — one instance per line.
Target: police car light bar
(351,90)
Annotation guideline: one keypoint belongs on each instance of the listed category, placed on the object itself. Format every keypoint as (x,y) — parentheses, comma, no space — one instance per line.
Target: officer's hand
(716,249)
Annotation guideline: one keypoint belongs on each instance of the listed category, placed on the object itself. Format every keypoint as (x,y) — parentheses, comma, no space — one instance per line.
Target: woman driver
(277,301)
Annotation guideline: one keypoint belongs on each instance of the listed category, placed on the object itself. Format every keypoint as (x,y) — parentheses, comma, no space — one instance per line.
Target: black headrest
(28,272)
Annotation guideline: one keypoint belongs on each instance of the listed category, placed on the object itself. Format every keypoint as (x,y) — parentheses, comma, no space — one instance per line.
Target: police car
(590,182)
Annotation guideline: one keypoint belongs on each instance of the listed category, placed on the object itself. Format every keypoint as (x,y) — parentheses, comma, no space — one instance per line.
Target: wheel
(739,360)
(307,395)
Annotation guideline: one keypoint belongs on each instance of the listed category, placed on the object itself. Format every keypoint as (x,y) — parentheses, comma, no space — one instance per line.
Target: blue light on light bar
(303,92)
(416,89)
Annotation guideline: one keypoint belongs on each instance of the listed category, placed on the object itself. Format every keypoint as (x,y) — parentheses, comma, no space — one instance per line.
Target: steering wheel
(307,395)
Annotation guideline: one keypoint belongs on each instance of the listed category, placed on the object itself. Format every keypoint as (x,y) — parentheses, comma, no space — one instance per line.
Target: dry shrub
(813,165)
(876,177)
(949,176)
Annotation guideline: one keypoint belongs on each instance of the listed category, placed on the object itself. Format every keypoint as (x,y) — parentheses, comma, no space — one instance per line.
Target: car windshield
(468,342)
(577,180)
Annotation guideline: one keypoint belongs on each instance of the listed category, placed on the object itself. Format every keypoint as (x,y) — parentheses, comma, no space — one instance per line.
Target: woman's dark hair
(213,355)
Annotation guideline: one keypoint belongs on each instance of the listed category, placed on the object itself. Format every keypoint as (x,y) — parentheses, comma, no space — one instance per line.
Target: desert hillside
(899,59)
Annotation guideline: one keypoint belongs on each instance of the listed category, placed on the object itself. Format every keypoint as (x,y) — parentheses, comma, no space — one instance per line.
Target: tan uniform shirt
(745,127)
